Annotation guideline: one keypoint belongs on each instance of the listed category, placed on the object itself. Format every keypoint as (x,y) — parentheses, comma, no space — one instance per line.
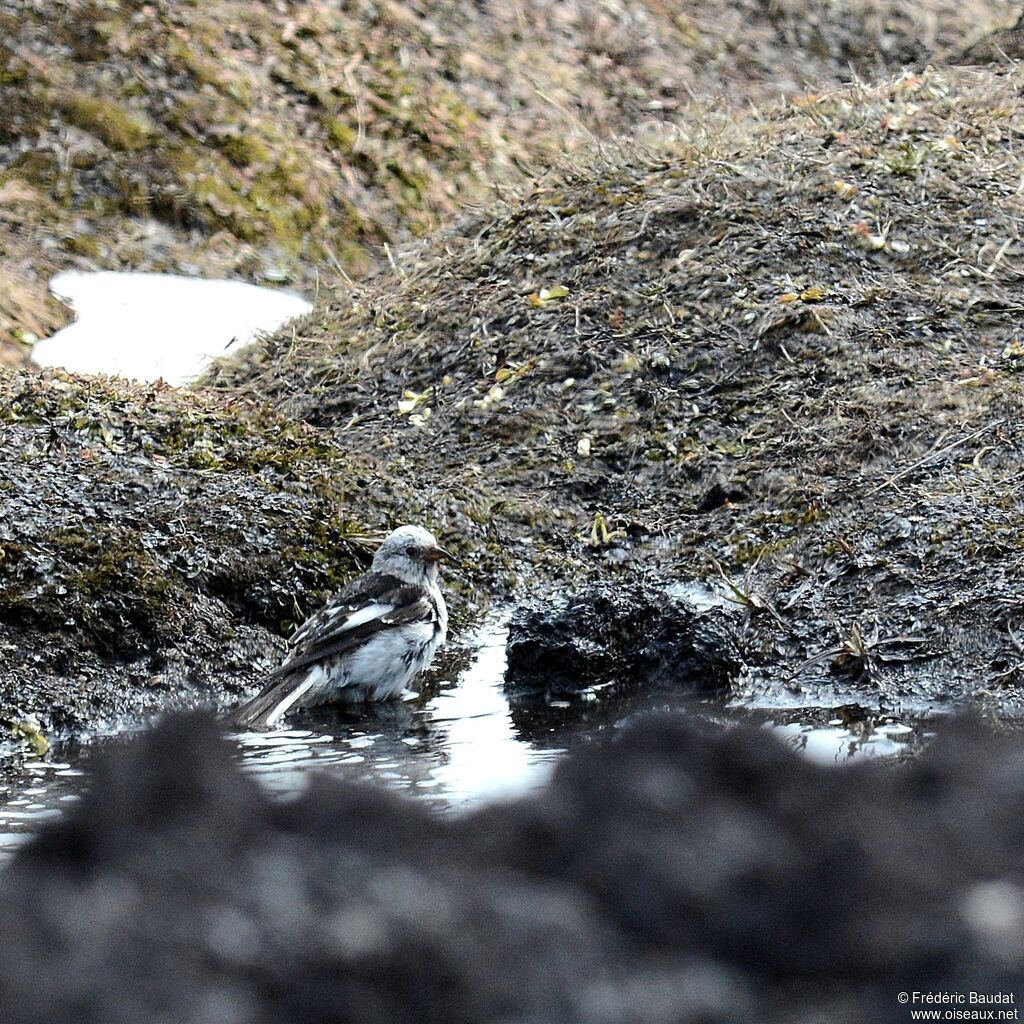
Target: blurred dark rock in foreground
(671,876)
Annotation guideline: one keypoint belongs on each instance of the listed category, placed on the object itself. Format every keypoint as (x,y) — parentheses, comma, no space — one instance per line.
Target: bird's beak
(437,553)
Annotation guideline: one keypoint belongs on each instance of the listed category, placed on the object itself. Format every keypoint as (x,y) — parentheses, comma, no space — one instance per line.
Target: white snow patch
(151,326)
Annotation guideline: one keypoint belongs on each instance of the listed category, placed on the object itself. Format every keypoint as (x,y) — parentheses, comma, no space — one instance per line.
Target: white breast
(378,670)
(383,666)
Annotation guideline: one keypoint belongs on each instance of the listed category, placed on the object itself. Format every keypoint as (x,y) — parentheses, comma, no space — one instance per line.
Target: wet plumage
(368,642)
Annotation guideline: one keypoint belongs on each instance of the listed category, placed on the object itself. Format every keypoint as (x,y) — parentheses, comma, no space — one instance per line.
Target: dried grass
(786,341)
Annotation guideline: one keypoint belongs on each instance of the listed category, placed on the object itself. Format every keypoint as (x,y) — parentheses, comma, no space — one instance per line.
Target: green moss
(82,245)
(244,150)
(341,134)
(196,57)
(221,206)
(355,258)
(415,184)
(181,160)
(13,70)
(120,129)
(906,159)
(35,166)
(108,586)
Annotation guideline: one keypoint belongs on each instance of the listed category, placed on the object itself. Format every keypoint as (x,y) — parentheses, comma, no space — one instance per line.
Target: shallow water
(152,326)
(46,787)
(458,749)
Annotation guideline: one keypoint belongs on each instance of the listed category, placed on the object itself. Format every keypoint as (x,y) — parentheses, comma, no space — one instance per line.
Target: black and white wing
(369,605)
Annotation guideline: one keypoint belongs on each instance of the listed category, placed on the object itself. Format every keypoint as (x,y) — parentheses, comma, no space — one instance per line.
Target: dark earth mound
(155,546)
(749,356)
(670,876)
(776,350)
(1002,45)
(619,636)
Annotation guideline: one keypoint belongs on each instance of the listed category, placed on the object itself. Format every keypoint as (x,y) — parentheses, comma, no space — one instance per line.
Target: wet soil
(771,352)
(771,357)
(762,368)
(618,638)
(156,547)
(777,353)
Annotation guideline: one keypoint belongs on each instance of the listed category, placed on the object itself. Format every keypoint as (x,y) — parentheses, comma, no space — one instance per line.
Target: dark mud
(671,875)
(618,637)
(156,547)
(776,352)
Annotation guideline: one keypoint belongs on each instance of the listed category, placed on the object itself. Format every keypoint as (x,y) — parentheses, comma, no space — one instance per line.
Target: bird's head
(410,553)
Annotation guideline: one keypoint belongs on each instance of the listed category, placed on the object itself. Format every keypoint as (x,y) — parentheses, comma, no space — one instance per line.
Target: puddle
(45,789)
(151,326)
(458,749)
(701,597)
(833,743)
(463,746)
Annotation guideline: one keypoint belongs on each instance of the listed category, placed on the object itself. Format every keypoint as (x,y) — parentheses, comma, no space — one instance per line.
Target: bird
(368,642)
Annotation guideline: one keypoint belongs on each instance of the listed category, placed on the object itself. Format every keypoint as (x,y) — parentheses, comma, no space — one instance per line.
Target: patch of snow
(152,326)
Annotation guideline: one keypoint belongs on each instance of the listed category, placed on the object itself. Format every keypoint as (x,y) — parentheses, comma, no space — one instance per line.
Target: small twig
(746,598)
(999,255)
(394,263)
(336,263)
(952,446)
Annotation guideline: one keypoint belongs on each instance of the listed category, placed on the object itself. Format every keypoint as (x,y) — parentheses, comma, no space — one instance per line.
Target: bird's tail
(271,704)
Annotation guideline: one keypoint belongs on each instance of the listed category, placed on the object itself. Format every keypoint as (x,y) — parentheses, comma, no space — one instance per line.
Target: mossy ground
(293,141)
(779,347)
(155,547)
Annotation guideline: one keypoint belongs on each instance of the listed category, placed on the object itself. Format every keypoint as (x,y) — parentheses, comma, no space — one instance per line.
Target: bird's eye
(412,551)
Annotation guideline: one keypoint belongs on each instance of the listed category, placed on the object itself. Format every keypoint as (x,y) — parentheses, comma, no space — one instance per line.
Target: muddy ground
(777,356)
(771,355)
(778,351)
(292,142)
(155,547)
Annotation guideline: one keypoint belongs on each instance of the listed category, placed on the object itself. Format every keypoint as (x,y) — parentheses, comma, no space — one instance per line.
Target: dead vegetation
(787,341)
(296,141)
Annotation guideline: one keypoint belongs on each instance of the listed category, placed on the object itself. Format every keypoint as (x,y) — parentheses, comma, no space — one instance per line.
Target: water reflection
(455,750)
(46,787)
(835,742)
(463,745)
